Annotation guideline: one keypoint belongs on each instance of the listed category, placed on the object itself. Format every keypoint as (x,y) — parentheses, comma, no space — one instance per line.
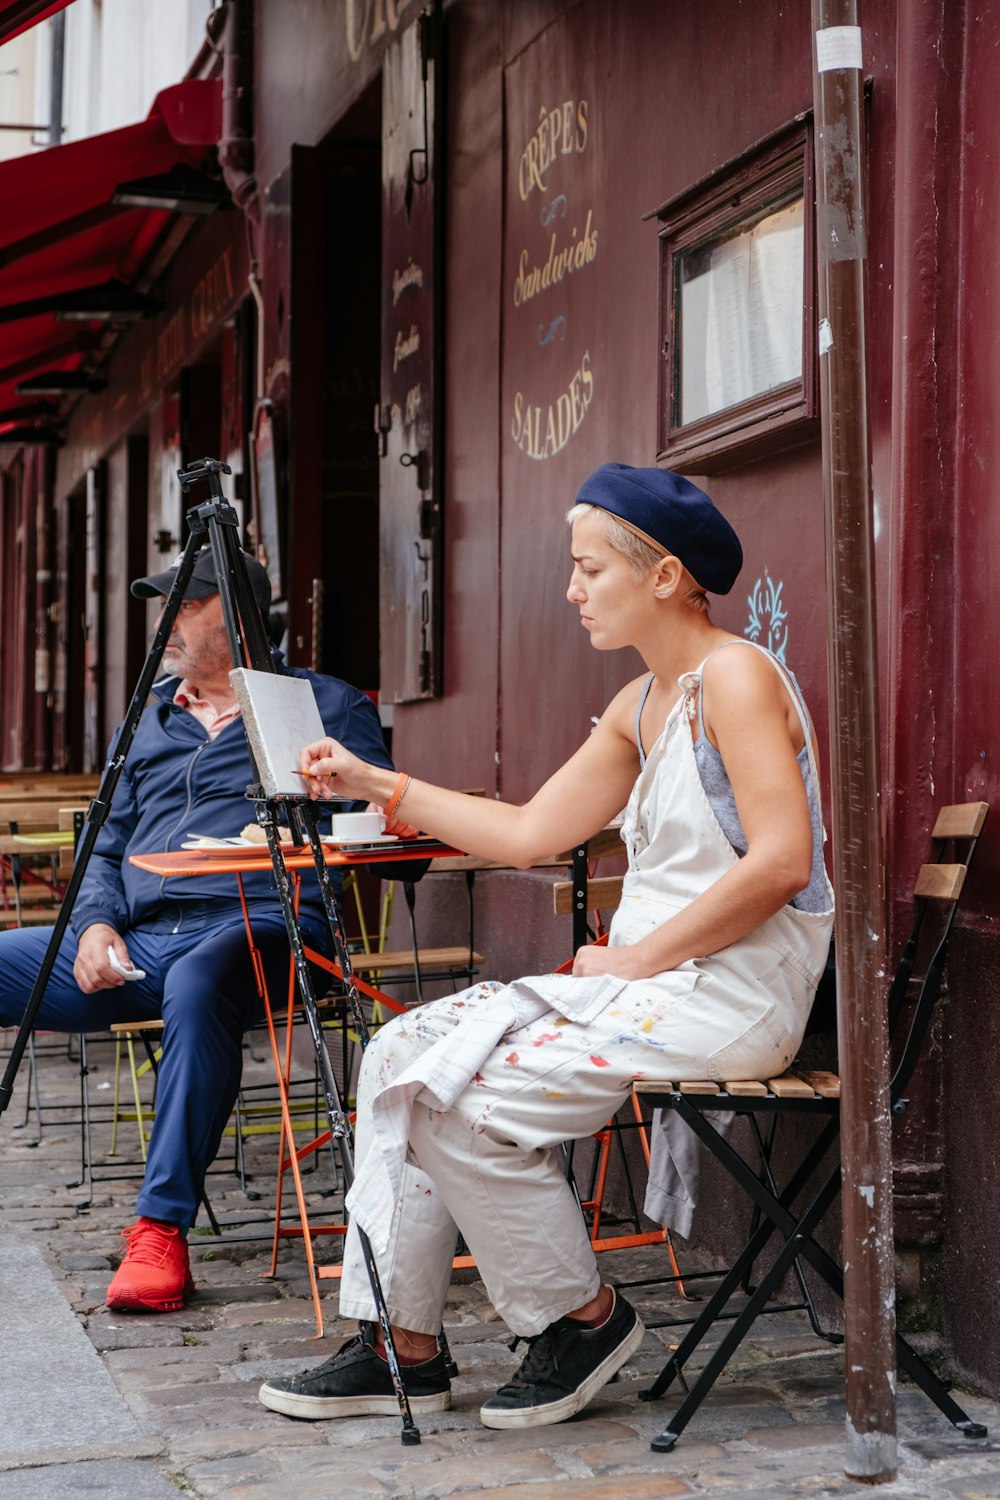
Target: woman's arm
(591,788)
(746,713)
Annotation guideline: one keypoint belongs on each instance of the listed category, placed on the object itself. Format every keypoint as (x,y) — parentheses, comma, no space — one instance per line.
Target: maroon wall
(673,92)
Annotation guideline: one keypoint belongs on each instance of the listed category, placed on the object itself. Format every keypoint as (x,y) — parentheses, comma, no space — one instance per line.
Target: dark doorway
(350,460)
(335,342)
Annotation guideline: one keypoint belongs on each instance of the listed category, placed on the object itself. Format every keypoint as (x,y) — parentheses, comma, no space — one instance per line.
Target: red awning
(60,231)
(20,15)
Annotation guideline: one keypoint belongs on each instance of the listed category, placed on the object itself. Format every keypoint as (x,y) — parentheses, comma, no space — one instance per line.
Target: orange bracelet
(398,793)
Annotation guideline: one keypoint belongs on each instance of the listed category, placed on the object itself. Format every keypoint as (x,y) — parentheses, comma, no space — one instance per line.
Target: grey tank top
(719,791)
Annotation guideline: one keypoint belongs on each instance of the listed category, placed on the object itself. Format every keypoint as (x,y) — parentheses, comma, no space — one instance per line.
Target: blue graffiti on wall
(556,329)
(768,620)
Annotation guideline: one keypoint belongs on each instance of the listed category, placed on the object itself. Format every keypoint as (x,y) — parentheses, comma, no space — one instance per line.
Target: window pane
(739,314)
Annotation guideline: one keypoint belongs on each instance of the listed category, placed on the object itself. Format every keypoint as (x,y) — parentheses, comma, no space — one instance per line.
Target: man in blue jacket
(186,773)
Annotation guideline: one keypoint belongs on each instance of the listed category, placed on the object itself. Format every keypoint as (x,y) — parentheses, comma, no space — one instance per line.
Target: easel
(218,521)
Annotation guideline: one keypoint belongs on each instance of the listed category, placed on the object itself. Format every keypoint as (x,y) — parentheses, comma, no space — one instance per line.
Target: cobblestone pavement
(144,1407)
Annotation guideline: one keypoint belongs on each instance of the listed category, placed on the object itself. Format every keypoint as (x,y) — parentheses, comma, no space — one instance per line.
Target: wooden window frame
(784,416)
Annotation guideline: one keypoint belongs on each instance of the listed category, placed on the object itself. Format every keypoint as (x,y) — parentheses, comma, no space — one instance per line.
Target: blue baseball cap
(673,514)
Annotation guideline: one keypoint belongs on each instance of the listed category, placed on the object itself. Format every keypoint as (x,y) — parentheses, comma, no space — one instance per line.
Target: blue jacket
(177,782)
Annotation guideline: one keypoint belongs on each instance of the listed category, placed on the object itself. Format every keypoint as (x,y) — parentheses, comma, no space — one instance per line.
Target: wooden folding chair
(417,965)
(911,1001)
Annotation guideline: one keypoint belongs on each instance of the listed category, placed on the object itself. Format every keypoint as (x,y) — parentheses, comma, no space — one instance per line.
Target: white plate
(248,852)
(207,843)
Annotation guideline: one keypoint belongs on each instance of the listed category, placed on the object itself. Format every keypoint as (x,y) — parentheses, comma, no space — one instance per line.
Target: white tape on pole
(838,47)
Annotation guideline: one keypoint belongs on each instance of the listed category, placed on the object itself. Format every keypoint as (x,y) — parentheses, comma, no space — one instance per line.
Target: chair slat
(746,1088)
(963,820)
(827,1085)
(30,916)
(41,809)
(402,959)
(699,1086)
(603,894)
(790,1087)
(940,882)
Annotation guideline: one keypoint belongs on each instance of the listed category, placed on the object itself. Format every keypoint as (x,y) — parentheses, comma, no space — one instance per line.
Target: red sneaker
(155,1275)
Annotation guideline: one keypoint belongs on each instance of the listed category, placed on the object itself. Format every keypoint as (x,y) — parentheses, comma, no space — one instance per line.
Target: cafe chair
(816,1094)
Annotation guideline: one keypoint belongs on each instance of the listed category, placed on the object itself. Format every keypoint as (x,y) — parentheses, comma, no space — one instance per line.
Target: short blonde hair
(641,555)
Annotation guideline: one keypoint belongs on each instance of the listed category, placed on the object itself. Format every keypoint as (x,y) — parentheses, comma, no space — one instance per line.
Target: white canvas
(281,715)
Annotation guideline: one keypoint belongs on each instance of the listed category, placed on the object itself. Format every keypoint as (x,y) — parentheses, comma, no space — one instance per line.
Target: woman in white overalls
(714,956)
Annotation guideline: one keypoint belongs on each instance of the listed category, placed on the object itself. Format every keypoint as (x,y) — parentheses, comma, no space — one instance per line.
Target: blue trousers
(202,985)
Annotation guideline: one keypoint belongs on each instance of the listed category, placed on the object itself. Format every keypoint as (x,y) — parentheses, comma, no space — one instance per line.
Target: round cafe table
(243,859)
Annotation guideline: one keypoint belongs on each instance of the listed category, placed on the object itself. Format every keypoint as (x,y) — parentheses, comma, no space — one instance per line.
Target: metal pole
(869,1294)
(56,79)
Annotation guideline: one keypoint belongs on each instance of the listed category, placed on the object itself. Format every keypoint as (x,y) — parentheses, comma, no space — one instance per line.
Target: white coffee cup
(357,827)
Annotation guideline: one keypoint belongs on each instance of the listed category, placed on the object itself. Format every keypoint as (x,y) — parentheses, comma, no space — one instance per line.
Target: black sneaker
(355,1382)
(564,1368)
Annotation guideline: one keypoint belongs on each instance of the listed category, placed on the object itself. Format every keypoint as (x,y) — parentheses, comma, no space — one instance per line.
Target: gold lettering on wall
(561,132)
(212,294)
(414,402)
(550,405)
(541,432)
(411,276)
(211,300)
(580,251)
(404,347)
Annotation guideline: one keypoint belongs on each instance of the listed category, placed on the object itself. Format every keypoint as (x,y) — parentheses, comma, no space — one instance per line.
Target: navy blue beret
(672,513)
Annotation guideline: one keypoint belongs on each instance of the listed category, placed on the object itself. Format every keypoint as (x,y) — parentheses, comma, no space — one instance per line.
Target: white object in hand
(126,972)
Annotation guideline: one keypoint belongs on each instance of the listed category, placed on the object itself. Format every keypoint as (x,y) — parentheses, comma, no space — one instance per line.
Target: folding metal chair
(912,995)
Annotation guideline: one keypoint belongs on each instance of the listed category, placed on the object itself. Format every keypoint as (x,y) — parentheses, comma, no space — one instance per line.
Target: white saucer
(378,838)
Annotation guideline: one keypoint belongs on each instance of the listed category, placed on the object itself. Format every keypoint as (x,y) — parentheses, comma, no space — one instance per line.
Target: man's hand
(92,971)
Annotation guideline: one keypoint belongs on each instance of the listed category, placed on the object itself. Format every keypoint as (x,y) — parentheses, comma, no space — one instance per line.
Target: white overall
(463,1103)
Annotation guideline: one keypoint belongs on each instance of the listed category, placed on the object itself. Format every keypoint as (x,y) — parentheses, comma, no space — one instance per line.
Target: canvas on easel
(280,715)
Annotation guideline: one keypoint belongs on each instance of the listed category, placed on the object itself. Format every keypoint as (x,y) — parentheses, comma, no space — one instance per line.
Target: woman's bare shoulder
(750,670)
(738,685)
(620,712)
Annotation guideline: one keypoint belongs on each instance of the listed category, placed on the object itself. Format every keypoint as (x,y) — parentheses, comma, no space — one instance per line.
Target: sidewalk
(147,1407)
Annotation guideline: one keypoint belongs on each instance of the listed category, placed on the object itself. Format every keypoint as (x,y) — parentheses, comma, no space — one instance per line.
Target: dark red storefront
(615,112)
(494,304)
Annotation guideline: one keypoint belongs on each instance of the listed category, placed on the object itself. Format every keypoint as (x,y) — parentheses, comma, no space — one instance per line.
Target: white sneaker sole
(316,1408)
(558,1411)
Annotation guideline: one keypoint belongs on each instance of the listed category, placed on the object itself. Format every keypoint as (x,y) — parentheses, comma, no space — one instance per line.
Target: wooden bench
(35,831)
(64,788)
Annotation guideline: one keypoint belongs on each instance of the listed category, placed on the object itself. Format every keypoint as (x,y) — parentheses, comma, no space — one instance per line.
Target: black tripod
(249,647)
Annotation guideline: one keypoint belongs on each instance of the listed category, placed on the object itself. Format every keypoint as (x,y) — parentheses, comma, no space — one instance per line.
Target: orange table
(240,860)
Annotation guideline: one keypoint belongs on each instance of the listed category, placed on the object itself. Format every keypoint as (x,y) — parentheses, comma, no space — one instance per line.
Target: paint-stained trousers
(491,1165)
